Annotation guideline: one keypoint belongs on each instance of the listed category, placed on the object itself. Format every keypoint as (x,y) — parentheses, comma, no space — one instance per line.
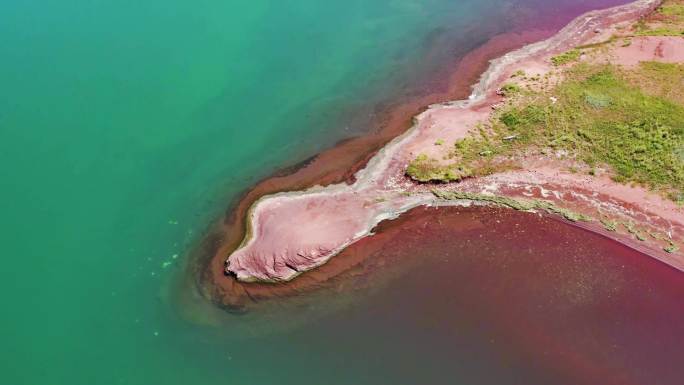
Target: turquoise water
(126,127)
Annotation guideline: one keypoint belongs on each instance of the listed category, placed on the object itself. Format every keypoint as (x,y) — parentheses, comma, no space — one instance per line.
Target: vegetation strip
(516,204)
(539,204)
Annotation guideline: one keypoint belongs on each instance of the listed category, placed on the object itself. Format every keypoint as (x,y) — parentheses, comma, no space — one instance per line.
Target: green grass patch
(673,10)
(662,31)
(661,79)
(424,169)
(518,74)
(668,20)
(566,57)
(609,225)
(600,117)
(596,45)
(672,248)
(509,89)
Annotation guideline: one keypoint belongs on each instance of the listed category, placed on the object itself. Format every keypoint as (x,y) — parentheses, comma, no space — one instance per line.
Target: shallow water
(126,127)
(517,298)
(472,296)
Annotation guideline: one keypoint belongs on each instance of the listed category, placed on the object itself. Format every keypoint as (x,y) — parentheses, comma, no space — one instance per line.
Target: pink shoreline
(290,233)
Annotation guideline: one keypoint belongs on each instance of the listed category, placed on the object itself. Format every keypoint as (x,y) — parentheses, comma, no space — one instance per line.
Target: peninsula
(587,125)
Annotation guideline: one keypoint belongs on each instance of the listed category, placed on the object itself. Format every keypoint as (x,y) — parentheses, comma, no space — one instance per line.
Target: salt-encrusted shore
(290,233)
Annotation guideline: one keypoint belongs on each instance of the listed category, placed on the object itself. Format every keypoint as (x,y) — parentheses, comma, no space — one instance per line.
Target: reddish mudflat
(481,296)
(535,300)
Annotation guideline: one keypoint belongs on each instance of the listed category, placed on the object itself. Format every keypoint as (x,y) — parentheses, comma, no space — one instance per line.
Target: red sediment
(666,49)
(591,310)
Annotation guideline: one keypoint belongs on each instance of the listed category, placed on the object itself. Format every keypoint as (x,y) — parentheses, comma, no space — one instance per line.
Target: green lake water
(126,127)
